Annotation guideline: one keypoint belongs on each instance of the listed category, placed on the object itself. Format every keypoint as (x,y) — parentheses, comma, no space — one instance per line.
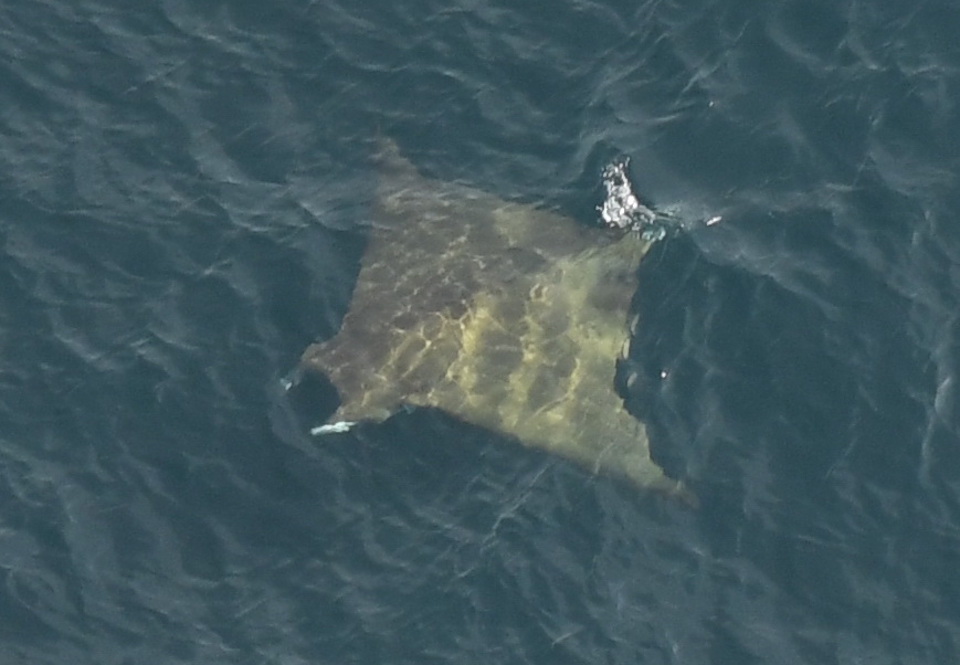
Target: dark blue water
(183,192)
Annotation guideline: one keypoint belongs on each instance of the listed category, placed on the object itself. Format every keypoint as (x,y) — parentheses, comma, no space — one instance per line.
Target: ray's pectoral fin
(356,384)
(334,427)
(674,489)
(351,414)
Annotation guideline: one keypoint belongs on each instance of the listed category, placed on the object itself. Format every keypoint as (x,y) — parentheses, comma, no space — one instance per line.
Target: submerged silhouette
(505,315)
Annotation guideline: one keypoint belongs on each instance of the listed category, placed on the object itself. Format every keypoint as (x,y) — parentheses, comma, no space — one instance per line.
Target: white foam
(333,428)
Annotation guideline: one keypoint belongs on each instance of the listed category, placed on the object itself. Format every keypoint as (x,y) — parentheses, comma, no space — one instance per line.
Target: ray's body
(505,315)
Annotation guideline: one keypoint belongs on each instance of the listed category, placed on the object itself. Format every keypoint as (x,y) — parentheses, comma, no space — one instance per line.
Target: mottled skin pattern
(502,314)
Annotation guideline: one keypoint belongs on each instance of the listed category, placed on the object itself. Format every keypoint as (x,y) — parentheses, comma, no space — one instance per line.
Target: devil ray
(504,315)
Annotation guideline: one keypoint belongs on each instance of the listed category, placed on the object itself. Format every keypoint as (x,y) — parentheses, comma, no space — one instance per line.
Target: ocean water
(184,189)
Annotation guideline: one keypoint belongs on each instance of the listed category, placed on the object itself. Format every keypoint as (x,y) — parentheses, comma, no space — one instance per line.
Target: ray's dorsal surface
(504,315)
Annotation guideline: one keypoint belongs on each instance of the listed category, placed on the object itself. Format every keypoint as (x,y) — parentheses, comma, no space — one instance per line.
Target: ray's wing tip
(387,155)
(338,427)
(687,496)
(674,490)
(386,146)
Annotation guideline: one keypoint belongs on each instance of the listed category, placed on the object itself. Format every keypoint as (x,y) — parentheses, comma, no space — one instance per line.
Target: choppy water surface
(185,188)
